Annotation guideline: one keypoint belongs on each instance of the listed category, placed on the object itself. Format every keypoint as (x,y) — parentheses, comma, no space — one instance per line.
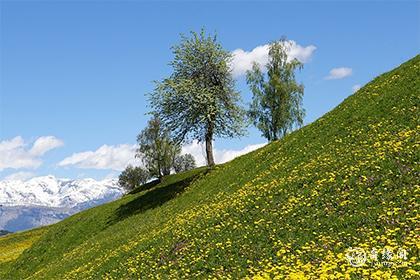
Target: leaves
(133,177)
(200,92)
(156,149)
(277,98)
(184,163)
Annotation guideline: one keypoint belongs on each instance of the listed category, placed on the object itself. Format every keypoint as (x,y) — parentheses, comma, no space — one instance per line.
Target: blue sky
(79,71)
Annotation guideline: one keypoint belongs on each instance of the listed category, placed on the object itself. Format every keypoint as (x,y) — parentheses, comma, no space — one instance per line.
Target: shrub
(184,163)
(133,177)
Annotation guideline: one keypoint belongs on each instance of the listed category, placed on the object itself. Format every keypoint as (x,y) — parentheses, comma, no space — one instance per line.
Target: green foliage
(184,163)
(133,177)
(156,149)
(277,98)
(288,210)
(199,101)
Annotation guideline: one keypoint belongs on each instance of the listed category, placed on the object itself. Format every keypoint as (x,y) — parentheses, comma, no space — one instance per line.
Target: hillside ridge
(292,208)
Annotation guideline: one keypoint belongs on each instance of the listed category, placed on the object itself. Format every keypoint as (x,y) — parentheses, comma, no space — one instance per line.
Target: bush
(184,163)
(133,177)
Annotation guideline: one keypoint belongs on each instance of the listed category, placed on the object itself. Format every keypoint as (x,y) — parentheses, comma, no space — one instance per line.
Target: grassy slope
(350,179)
(14,244)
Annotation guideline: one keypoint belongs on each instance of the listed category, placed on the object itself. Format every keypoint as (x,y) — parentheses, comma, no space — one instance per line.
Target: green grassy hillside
(11,246)
(291,209)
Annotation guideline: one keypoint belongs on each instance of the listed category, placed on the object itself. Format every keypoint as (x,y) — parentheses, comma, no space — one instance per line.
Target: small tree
(156,149)
(277,98)
(199,101)
(184,163)
(133,177)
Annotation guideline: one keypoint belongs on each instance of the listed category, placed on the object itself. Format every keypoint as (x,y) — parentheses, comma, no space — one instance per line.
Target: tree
(276,106)
(184,163)
(156,149)
(198,101)
(133,177)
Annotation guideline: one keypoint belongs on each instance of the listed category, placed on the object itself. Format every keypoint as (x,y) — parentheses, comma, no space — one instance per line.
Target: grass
(291,209)
(14,244)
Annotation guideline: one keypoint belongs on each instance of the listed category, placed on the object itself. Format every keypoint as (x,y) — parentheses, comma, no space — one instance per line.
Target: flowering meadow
(337,199)
(12,245)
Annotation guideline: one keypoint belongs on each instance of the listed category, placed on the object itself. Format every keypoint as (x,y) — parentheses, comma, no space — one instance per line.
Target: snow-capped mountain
(44,200)
(49,191)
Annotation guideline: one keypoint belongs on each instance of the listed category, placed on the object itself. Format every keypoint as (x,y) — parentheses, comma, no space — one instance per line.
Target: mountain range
(45,200)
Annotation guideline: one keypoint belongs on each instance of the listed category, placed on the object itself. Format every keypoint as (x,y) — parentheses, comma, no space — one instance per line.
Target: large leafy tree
(199,101)
(156,149)
(276,106)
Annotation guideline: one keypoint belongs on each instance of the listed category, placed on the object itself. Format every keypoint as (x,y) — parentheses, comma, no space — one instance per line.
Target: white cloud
(220,156)
(355,88)
(339,73)
(21,176)
(116,158)
(106,157)
(243,60)
(44,144)
(15,153)
(197,150)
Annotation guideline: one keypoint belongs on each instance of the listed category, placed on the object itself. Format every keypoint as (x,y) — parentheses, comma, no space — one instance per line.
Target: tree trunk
(209,146)
(209,152)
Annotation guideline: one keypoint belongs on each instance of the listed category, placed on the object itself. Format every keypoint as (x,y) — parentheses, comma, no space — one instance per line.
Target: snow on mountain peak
(49,191)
